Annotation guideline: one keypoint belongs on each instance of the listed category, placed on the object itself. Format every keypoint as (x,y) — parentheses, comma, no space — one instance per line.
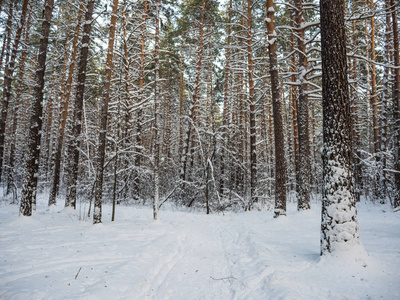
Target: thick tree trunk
(101,150)
(280,160)
(303,186)
(28,196)
(339,227)
(73,146)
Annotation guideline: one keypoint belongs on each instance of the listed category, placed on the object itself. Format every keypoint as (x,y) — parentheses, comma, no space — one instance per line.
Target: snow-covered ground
(190,255)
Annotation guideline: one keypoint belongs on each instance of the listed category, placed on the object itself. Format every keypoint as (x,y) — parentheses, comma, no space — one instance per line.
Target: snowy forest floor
(190,255)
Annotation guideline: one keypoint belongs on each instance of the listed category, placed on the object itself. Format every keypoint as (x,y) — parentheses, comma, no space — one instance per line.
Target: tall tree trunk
(293,95)
(339,225)
(73,146)
(66,92)
(356,132)
(280,160)
(101,150)
(252,102)
(157,115)
(303,187)
(193,109)
(8,78)
(28,196)
(375,116)
(139,120)
(225,115)
(7,36)
(18,94)
(181,83)
(396,101)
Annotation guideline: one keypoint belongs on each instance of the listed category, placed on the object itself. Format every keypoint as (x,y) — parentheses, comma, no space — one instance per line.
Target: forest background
(178,103)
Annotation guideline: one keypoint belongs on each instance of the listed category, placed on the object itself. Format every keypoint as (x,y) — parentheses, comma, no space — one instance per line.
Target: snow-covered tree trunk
(66,92)
(73,146)
(227,87)
(252,105)
(339,226)
(29,187)
(141,97)
(396,101)
(8,78)
(303,186)
(18,102)
(157,115)
(101,150)
(280,160)
(195,104)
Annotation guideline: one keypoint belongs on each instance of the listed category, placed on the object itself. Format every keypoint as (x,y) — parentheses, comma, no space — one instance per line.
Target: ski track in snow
(190,255)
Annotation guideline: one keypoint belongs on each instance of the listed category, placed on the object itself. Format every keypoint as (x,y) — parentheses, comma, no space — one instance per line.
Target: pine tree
(8,78)
(34,134)
(303,186)
(73,146)
(280,160)
(339,224)
(103,121)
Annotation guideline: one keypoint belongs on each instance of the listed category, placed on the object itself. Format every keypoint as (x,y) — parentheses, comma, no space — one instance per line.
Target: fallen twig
(223,278)
(76,276)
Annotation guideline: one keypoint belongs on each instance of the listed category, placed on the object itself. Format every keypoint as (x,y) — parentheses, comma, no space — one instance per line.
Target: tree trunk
(303,186)
(280,160)
(139,120)
(18,94)
(252,101)
(396,101)
(8,78)
(66,92)
(339,226)
(293,95)
(101,150)
(195,96)
(225,115)
(28,196)
(7,36)
(157,115)
(73,146)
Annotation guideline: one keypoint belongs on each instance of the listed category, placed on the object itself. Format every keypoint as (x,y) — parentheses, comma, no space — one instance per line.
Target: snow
(58,254)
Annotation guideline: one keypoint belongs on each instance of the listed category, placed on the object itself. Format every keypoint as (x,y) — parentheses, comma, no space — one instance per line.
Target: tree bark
(8,78)
(396,101)
(280,160)
(139,120)
(339,226)
(73,146)
(252,102)
(193,109)
(28,196)
(303,186)
(66,92)
(18,94)
(157,115)
(101,150)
